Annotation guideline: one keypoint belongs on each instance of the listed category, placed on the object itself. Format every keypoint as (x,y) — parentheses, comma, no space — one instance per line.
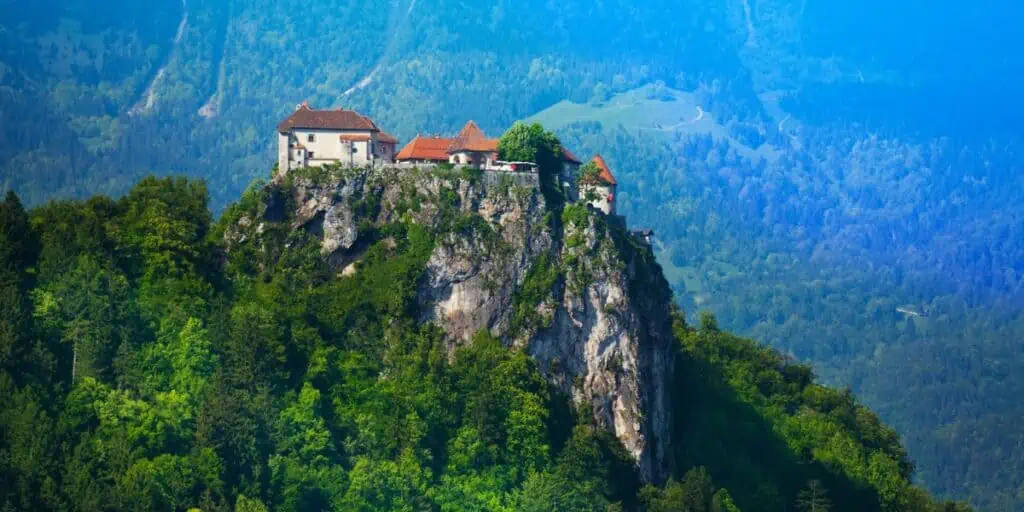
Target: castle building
(471,147)
(598,190)
(313,138)
(570,169)
(425,150)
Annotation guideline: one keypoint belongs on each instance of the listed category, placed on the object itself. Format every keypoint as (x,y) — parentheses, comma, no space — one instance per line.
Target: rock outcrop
(572,288)
(609,343)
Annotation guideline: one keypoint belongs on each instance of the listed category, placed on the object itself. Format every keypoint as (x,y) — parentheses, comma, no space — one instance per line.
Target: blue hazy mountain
(848,162)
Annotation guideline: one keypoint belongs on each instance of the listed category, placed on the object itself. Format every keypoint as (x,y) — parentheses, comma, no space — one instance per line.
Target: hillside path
(149,97)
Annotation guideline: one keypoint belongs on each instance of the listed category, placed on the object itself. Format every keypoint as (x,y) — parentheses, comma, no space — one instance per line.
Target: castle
(314,138)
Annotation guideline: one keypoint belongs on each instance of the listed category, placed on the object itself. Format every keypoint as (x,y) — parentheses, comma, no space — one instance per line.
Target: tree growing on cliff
(532,143)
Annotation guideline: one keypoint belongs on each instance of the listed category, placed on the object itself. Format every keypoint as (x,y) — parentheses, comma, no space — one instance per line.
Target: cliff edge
(567,285)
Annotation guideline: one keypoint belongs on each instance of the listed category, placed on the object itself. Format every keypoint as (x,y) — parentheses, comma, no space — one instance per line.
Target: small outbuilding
(646,236)
(597,186)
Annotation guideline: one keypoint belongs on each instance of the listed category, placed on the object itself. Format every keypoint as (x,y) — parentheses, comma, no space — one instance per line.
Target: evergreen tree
(19,243)
(814,498)
(18,252)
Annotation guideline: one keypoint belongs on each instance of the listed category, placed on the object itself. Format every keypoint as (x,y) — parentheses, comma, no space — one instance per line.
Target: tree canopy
(147,367)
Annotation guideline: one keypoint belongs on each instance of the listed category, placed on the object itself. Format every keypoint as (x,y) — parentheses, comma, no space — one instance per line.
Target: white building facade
(598,190)
(314,138)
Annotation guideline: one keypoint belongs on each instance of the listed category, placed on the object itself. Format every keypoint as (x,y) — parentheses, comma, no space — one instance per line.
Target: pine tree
(18,251)
(19,245)
(814,498)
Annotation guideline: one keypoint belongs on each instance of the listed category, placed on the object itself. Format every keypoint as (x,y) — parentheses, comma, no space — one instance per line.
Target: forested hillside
(156,360)
(850,200)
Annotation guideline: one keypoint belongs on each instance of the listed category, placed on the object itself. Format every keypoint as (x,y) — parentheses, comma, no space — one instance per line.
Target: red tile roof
(386,138)
(472,138)
(606,173)
(305,117)
(567,156)
(426,148)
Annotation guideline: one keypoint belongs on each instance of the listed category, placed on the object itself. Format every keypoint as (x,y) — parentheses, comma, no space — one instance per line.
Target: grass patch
(538,287)
(575,215)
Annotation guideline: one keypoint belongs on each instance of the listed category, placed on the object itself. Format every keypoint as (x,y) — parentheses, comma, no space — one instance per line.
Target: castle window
(311,138)
(310,155)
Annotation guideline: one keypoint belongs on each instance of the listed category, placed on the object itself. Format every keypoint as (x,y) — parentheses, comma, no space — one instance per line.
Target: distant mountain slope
(661,113)
(818,256)
(894,175)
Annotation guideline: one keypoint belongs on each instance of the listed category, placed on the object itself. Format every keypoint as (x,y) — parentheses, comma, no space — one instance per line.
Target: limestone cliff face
(609,343)
(573,289)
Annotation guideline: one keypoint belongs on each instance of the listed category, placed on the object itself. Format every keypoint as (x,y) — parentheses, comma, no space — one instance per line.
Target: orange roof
(472,138)
(606,173)
(306,117)
(386,138)
(567,156)
(426,148)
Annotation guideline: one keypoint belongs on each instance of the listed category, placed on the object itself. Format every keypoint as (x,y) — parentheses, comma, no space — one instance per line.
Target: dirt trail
(700,115)
(367,80)
(149,97)
(396,21)
(749,17)
(211,108)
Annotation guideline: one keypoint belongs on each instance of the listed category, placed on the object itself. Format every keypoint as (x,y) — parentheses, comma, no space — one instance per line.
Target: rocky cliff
(567,285)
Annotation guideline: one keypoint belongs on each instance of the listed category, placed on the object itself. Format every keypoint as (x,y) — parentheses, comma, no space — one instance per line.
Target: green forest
(924,337)
(146,365)
(850,201)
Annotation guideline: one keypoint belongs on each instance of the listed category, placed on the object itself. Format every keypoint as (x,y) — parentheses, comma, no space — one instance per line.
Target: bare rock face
(610,341)
(600,327)
(472,277)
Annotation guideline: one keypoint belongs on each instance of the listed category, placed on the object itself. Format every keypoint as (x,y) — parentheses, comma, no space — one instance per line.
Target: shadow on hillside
(741,449)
